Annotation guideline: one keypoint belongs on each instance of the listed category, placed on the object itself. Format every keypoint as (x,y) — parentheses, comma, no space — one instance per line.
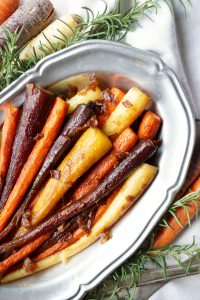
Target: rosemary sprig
(128,275)
(111,25)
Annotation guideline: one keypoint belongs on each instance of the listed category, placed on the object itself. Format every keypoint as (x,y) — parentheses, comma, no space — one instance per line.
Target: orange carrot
(149,126)
(7,8)
(167,234)
(35,159)
(22,253)
(8,135)
(110,102)
(124,142)
(80,231)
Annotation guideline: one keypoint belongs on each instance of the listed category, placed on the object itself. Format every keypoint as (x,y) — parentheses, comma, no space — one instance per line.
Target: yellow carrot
(91,146)
(51,35)
(84,96)
(127,111)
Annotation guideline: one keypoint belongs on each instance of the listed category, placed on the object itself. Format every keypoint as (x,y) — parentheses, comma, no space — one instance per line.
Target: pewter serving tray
(123,66)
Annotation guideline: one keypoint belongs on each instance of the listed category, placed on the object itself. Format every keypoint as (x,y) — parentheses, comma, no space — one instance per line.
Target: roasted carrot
(78,233)
(8,135)
(91,146)
(22,253)
(149,126)
(124,142)
(126,112)
(76,124)
(35,111)
(7,7)
(110,100)
(167,234)
(35,159)
(132,188)
(140,153)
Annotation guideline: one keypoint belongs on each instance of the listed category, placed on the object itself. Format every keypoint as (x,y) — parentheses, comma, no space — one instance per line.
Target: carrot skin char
(8,135)
(35,111)
(139,154)
(166,235)
(111,102)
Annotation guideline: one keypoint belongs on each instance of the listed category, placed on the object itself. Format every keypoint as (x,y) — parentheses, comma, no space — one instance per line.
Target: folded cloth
(158,35)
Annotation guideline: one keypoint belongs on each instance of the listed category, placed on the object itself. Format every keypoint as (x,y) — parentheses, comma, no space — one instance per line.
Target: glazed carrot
(167,234)
(149,126)
(124,142)
(22,253)
(110,101)
(8,135)
(78,233)
(7,7)
(116,205)
(34,113)
(126,112)
(35,159)
(76,124)
(140,153)
(91,146)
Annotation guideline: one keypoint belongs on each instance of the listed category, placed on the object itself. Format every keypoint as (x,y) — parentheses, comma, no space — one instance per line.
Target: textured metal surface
(122,66)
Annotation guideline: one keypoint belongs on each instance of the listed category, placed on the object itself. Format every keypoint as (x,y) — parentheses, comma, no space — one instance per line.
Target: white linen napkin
(160,37)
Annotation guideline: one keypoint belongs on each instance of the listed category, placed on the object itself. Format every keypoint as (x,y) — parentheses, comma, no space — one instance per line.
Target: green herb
(110,25)
(128,275)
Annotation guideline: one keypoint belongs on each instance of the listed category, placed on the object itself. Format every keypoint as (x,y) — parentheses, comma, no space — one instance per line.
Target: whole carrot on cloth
(116,205)
(166,235)
(29,19)
(110,100)
(194,168)
(8,135)
(44,141)
(35,111)
(124,142)
(137,155)
(90,147)
(149,126)
(51,35)
(7,7)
